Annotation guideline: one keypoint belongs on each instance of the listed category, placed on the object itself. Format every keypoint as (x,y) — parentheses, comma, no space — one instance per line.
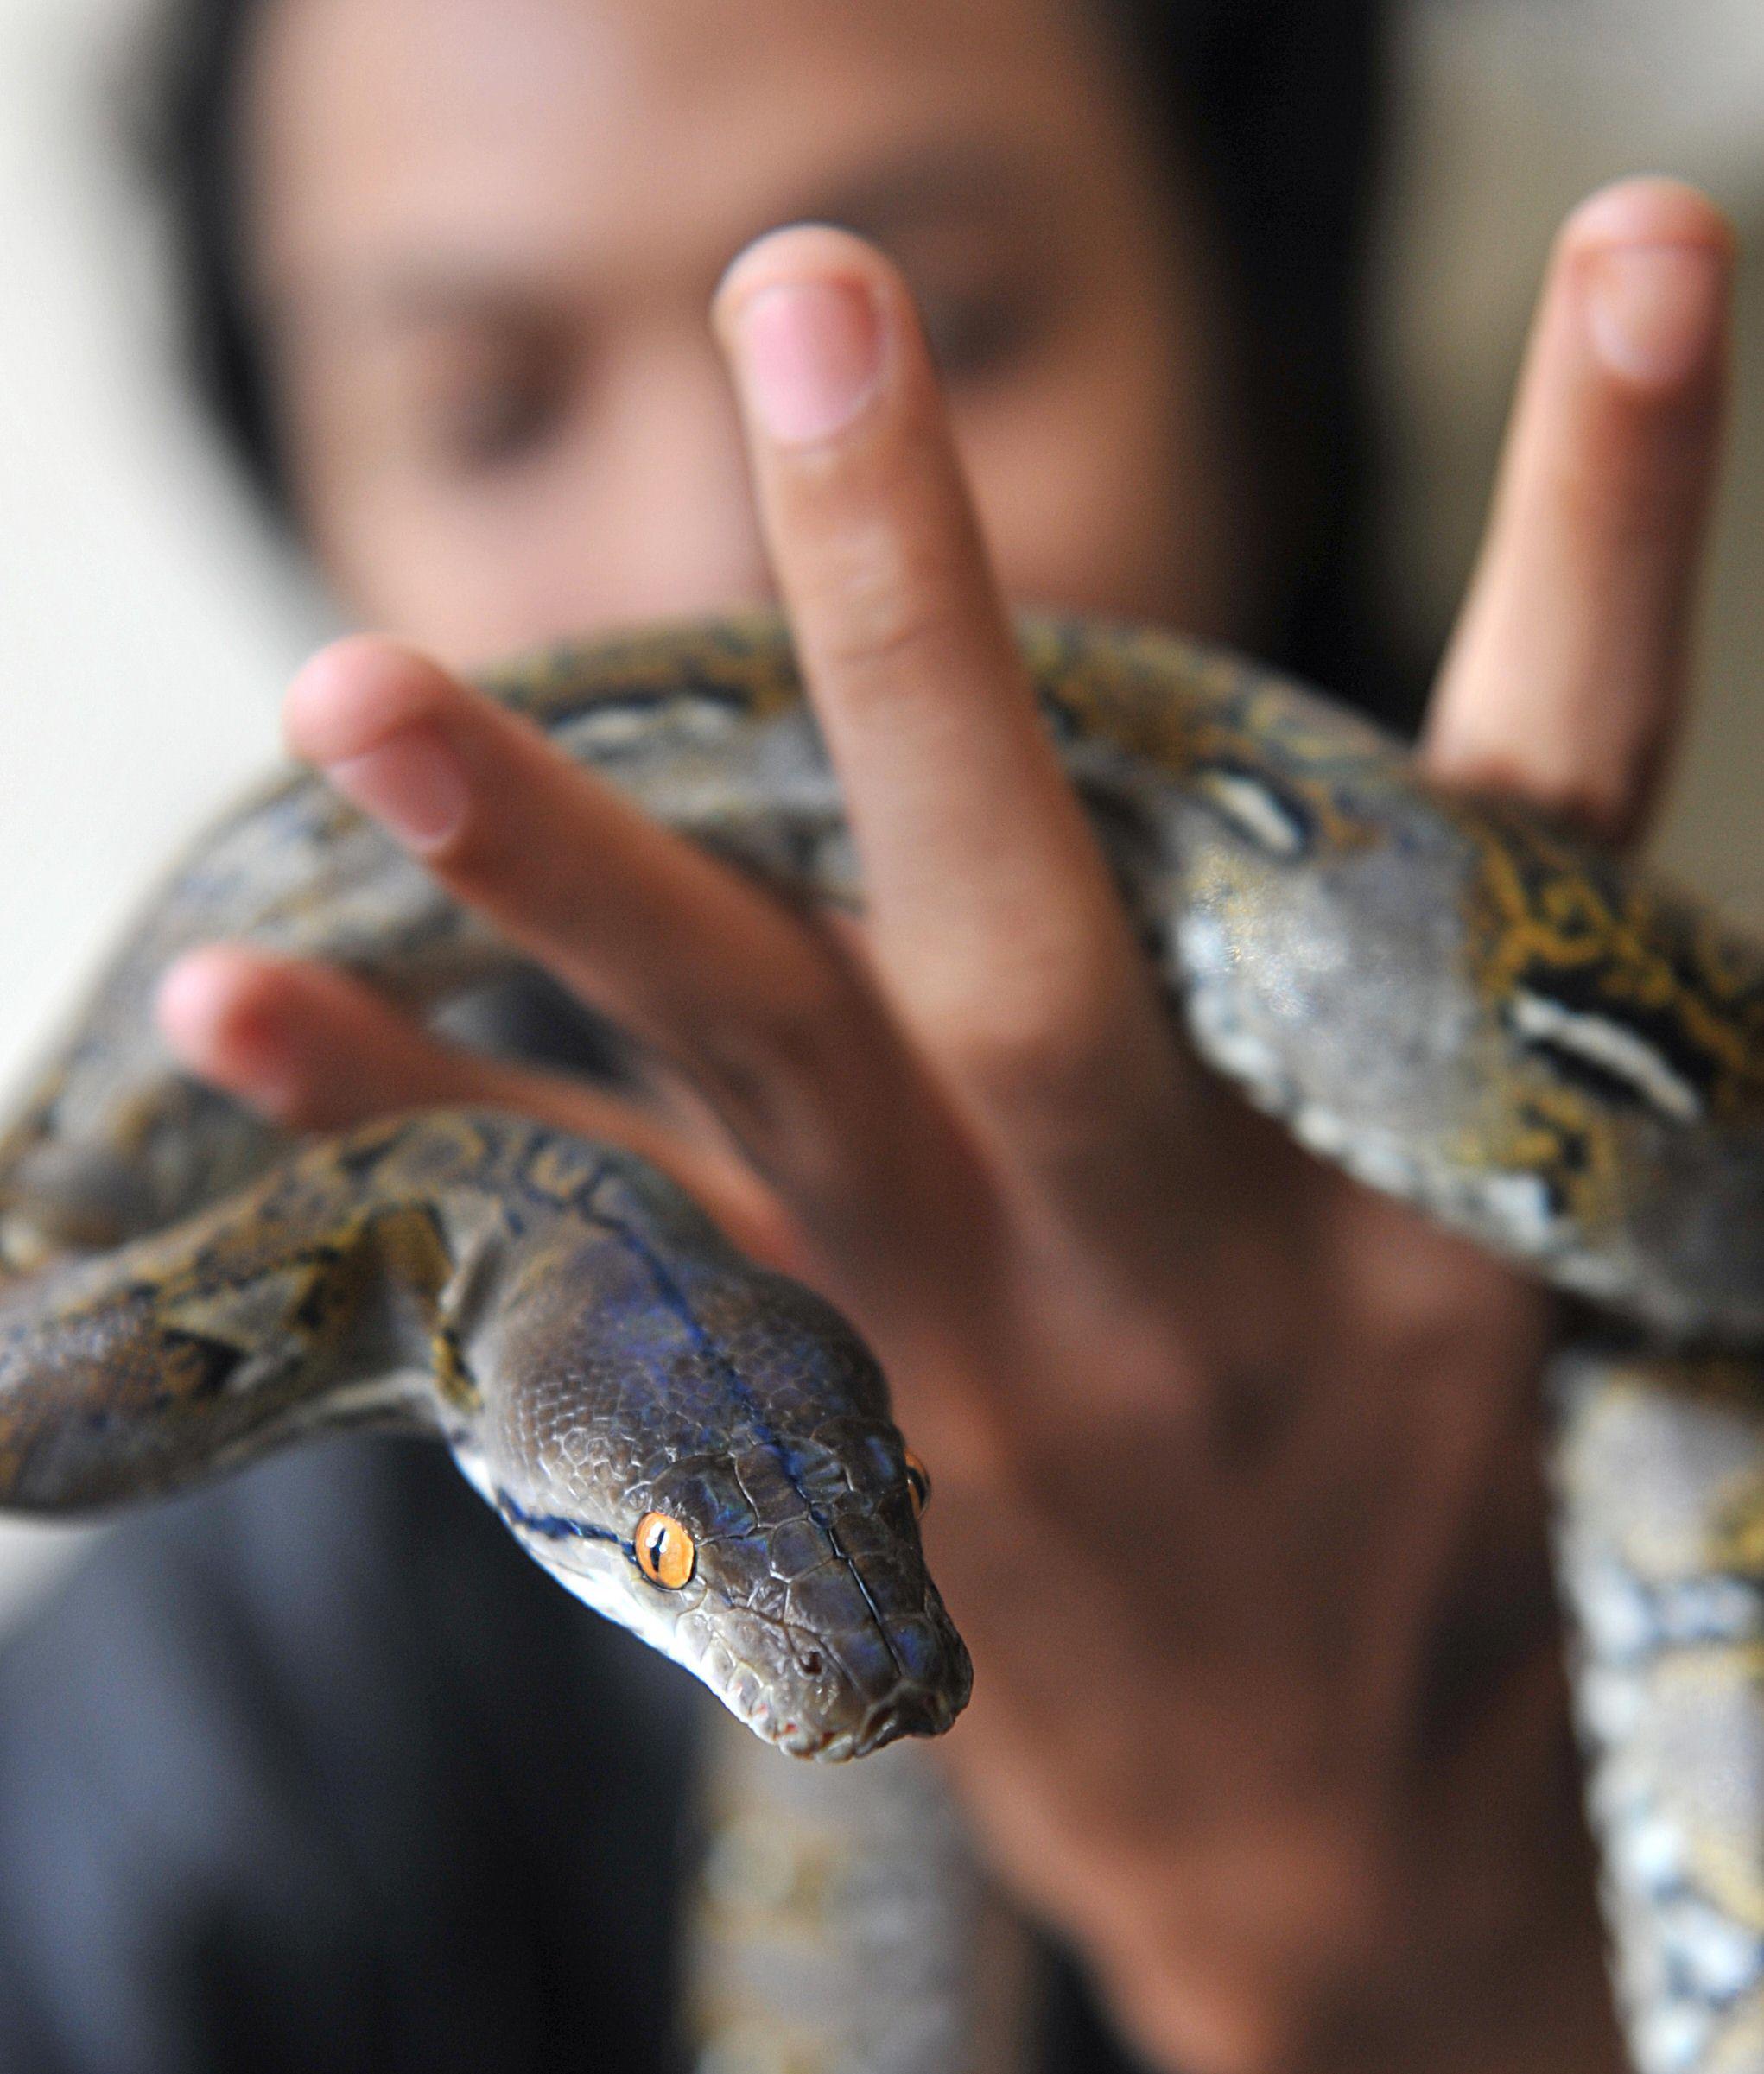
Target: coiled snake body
(1458,1004)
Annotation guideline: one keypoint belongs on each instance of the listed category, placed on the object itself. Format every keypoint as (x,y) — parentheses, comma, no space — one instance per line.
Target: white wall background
(145,626)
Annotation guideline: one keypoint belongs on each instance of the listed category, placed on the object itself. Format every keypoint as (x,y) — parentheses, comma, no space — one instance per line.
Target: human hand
(1237,1494)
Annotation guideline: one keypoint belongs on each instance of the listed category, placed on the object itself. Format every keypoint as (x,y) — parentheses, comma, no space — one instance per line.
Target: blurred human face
(486,233)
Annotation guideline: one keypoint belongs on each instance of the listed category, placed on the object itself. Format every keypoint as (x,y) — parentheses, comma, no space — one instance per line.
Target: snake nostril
(810,1663)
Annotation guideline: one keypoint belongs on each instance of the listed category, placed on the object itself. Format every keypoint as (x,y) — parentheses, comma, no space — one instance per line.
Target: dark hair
(1272,109)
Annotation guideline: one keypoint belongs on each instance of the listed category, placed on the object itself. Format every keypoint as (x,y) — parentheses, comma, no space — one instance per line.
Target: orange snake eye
(666,1554)
(918,1484)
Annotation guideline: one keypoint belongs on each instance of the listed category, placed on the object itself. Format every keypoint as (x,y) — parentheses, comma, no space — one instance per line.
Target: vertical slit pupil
(918,1484)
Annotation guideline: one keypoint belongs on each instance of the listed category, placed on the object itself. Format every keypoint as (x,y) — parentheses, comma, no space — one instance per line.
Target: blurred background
(146,622)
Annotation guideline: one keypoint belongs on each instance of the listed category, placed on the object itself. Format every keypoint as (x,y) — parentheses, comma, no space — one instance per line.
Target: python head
(703,1452)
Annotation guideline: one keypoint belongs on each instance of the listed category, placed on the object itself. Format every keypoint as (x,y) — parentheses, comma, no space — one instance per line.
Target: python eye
(666,1554)
(918,1484)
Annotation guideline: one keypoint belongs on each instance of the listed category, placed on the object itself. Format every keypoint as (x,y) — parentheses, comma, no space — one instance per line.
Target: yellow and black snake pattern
(1538,1046)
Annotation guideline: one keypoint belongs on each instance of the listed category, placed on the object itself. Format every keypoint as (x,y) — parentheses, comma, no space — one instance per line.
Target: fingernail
(809,354)
(1655,310)
(411,784)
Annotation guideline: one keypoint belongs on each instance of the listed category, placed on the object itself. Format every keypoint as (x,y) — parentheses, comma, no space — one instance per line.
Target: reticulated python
(1458,1004)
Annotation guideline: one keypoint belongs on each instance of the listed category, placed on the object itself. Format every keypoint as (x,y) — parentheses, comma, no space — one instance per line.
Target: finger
(759,1011)
(993,911)
(1567,674)
(316,1050)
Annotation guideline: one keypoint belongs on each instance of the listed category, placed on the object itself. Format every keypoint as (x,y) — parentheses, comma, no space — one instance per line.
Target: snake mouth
(917,1712)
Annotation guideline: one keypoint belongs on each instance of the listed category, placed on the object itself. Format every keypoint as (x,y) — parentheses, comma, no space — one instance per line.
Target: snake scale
(1456,1002)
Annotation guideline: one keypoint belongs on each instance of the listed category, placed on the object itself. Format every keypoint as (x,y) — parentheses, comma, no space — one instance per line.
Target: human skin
(1237,1500)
